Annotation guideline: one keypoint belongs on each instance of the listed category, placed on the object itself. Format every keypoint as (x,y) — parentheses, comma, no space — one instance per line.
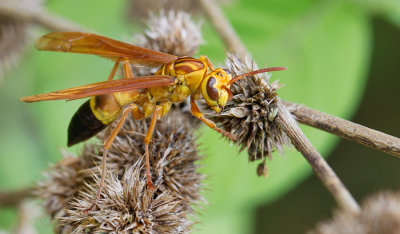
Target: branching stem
(328,177)
(13,198)
(346,129)
(284,118)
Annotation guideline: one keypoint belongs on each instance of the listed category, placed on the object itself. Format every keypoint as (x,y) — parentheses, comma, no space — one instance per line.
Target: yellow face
(215,90)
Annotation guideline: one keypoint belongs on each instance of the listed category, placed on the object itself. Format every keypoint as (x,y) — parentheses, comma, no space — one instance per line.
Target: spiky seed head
(250,115)
(380,213)
(172,32)
(174,155)
(63,181)
(14,34)
(127,206)
(71,187)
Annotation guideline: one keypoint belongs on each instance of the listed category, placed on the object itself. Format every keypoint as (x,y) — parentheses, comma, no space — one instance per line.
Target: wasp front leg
(208,62)
(197,113)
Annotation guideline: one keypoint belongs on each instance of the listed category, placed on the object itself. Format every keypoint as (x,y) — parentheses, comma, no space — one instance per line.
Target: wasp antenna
(269,69)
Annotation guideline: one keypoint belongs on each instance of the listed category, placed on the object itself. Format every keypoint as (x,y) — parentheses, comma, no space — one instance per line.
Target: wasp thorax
(214,89)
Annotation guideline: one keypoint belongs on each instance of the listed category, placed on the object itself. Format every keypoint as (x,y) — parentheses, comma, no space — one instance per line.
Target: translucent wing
(88,43)
(102,88)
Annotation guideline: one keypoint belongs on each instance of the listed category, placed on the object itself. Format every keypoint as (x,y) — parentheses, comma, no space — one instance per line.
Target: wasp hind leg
(107,145)
(156,115)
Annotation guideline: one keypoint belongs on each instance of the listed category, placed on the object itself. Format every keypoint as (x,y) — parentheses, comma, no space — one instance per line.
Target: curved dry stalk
(224,28)
(42,18)
(284,119)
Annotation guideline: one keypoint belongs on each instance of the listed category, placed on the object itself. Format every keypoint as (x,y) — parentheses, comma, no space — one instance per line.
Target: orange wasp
(144,96)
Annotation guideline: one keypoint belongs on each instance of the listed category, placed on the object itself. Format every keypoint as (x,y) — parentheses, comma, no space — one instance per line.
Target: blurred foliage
(325,44)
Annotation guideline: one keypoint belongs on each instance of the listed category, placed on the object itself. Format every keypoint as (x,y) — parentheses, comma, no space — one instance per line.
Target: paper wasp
(144,96)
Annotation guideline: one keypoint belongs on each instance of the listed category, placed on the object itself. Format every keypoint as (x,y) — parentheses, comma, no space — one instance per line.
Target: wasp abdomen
(83,125)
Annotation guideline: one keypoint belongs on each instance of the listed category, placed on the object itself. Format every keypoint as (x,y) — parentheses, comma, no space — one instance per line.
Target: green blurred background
(342,57)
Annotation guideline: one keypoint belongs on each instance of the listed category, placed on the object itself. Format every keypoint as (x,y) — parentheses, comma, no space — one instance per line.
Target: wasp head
(215,89)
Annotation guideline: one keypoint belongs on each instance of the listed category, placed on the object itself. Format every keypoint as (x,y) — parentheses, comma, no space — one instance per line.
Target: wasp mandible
(144,96)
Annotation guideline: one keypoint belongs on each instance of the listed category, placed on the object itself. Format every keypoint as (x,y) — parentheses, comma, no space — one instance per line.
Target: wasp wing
(104,87)
(88,43)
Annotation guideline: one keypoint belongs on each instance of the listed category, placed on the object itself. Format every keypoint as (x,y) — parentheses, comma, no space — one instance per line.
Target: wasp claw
(150,186)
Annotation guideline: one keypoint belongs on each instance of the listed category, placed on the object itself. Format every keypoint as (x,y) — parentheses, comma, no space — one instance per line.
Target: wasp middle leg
(126,66)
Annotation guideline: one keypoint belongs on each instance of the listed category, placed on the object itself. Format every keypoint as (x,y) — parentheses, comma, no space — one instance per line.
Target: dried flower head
(127,206)
(379,214)
(62,183)
(250,115)
(14,34)
(172,32)
(125,203)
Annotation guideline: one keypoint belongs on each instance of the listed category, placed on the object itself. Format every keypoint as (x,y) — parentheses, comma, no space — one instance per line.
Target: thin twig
(224,28)
(319,165)
(346,129)
(13,198)
(42,18)
(284,119)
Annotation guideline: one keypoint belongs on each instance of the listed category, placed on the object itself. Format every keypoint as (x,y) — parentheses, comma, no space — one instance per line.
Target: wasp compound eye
(211,91)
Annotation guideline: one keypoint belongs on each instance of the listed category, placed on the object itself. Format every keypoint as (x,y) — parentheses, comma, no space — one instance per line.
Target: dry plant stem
(342,196)
(346,129)
(224,28)
(42,18)
(13,198)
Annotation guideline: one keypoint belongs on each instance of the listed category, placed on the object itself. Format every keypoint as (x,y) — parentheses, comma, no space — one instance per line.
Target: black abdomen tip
(83,125)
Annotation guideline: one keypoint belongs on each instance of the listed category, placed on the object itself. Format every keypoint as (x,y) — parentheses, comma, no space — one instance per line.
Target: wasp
(145,96)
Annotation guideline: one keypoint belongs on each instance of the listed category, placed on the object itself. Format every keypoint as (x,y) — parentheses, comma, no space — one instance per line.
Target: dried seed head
(379,214)
(173,151)
(250,115)
(62,183)
(127,206)
(14,34)
(173,33)
(125,202)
